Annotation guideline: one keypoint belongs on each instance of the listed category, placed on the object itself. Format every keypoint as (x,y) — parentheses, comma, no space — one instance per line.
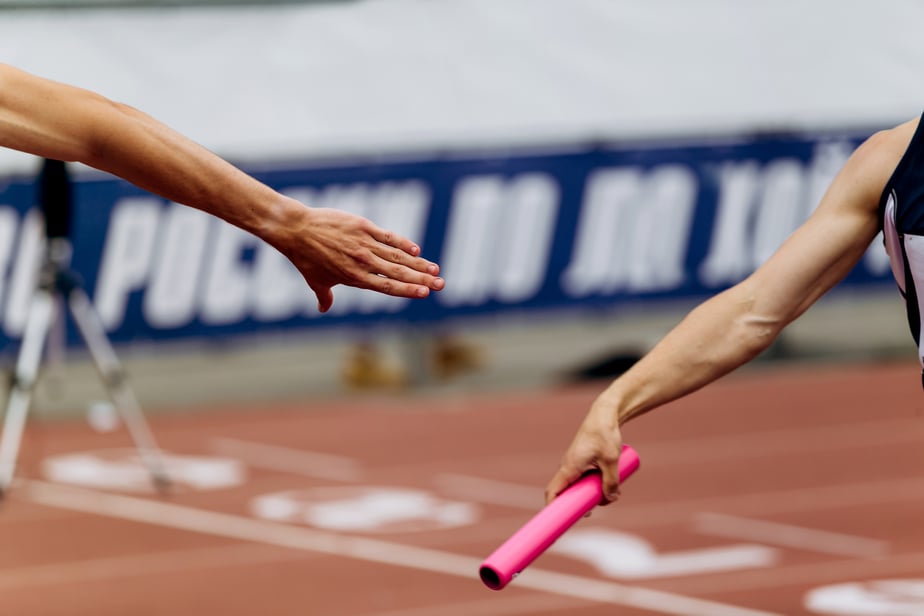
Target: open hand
(331,247)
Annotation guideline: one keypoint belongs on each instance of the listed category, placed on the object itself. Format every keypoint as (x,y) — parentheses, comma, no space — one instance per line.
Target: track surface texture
(795,490)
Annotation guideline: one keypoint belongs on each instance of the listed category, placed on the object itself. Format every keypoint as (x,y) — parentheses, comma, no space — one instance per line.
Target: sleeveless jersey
(901,213)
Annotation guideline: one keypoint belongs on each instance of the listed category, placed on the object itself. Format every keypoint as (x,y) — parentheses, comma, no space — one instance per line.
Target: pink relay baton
(524,546)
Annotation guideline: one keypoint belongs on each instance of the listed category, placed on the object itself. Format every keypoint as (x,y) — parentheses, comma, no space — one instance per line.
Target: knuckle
(366,226)
(609,456)
(362,256)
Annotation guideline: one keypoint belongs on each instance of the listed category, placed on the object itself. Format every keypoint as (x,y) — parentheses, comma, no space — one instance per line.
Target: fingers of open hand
(398,265)
(391,271)
(391,286)
(390,238)
(406,252)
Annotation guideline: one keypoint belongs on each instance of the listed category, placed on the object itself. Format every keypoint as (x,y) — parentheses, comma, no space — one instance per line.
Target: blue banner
(601,227)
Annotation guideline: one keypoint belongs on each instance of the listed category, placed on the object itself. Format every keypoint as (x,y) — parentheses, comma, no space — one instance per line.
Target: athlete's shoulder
(7,71)
(875,160)
(889,145)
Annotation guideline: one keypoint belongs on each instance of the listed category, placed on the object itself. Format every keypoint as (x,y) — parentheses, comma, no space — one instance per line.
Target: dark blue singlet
(901,212)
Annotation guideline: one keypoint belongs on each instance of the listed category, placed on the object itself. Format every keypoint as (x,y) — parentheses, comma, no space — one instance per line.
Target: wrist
(281,219)
(618,404)
(608,404)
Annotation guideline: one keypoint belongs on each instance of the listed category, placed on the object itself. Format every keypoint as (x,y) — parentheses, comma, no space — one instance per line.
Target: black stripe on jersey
(911,297)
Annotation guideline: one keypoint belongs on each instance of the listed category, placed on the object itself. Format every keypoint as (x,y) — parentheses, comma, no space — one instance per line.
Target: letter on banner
(604,230)
(782,207)
(758,209)
(9,224)
(662,230)
(25,273)
(633,233)
(729,259)
(499,238)
(279,290)
(529,221)
(127,256)
(226,292)
(171,298)
(468,253)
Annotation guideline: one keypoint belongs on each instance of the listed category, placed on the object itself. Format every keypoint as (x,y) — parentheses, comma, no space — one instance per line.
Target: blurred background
(585,172)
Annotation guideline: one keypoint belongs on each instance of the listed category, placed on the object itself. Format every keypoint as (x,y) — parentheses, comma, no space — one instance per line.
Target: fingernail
(433,268)
(415,250)
(423,292)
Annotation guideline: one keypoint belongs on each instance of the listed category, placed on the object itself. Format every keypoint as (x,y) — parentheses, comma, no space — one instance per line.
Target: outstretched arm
(329,247)
(735,326)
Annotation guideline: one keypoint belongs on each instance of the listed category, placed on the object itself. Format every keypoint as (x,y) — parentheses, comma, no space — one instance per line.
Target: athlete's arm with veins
(735,326)
(329,247)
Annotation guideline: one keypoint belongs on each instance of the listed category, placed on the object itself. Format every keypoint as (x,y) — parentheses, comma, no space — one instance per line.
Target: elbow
(53,120)
(754,323)
(755,333)
(101,132)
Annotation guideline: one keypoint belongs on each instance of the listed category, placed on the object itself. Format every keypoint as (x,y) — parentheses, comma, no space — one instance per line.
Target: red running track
(783,491)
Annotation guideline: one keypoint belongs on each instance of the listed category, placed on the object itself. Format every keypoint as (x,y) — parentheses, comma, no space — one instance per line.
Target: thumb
(610,482)
(562,479)
(325,297)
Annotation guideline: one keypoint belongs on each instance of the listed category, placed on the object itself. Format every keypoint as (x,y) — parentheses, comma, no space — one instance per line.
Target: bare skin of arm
(736,325)
(328,247)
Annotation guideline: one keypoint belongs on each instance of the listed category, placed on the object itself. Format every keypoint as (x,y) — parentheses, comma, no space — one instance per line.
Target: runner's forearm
(714,339)
(66,123)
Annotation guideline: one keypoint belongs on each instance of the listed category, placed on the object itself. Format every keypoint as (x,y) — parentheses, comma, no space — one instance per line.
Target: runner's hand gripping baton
(524,546)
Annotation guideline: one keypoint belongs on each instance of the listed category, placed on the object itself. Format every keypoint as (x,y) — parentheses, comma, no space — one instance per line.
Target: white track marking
(139,565)
(673,511)
(631,596)
(490,492)
(782,442)
(630,557)
(911,563)
(289,460)
(370,550)
(786,535)
(798,500)
(494,606)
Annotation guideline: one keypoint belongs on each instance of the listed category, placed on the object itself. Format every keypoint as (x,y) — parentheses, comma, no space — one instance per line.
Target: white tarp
(297,81)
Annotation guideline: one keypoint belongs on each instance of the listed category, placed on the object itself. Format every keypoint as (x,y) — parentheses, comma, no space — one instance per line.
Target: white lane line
(787,535)
(489,491)
(140,565)
(289,460)
(630,596)
(781,442)
(494,606)
(909,564)
(226,525)
(673,511)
